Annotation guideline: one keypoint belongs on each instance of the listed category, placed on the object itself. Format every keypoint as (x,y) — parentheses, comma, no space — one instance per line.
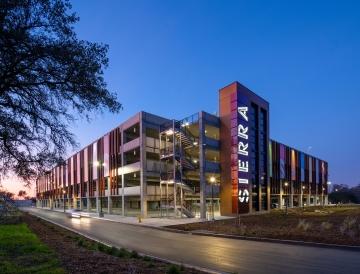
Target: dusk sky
(171,58)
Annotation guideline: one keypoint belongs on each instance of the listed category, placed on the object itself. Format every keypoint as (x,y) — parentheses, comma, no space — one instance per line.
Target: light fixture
(329,183)
(195,143)
(135,175)
(186,124)
(303,187)
(169,132)
(195,161)
(286,184)
(212,179)
(96,163)
(134,152)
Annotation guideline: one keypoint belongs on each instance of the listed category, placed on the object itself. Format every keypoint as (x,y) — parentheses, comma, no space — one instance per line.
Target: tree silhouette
(22,193)
(47,78)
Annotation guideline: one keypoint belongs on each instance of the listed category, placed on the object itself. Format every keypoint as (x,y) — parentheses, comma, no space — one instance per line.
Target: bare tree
(47,78)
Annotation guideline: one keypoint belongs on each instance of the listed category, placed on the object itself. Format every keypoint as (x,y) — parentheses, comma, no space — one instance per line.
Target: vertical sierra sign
(243,155)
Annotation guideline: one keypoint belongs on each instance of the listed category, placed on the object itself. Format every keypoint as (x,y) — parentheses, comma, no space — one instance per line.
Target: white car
(73,213)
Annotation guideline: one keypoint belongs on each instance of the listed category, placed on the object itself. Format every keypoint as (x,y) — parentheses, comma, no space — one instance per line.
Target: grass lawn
(22,252)
(332,225)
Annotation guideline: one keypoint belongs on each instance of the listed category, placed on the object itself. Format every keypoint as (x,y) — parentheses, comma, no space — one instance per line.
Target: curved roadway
(219,254)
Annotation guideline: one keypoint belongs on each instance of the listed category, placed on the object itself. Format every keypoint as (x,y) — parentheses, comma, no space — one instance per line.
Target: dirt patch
(77,254)
(331,225)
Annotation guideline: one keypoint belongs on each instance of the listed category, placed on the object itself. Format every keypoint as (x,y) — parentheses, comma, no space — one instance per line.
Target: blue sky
(171,58)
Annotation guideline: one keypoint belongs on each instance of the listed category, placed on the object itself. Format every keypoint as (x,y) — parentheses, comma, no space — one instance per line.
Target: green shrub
(81,242)
(134,254)
(101,247)
(147,259)
(173,269)
(122,252)
(113,251)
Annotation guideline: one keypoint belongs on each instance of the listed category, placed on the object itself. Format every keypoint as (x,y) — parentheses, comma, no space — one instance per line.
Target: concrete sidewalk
(150,222)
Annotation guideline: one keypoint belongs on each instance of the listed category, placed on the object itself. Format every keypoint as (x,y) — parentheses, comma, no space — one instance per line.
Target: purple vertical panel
(78,168)
(282,161)
(95,162)
(66,174)
(71,171)
(86,165)
(106,155)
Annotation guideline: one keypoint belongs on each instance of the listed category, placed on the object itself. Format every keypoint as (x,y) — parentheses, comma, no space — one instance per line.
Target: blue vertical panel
(302,163)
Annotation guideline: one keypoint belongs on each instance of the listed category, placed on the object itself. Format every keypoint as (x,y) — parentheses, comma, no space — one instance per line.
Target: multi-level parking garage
(202,165)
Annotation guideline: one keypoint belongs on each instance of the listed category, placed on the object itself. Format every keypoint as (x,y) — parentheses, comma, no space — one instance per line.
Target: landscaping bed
(78,254)
(331,225)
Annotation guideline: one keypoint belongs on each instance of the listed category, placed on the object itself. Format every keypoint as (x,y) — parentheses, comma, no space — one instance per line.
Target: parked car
(73,213)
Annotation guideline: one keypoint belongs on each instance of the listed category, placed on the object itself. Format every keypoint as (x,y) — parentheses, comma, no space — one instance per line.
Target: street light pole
(302,197)
(286,201)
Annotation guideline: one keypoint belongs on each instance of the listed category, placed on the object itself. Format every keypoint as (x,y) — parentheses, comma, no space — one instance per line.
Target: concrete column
(202,147)
(109,204)
(308,199)
(143,184)
(97,196)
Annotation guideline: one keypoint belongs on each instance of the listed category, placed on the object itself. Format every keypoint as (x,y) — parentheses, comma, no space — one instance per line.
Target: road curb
(140,253)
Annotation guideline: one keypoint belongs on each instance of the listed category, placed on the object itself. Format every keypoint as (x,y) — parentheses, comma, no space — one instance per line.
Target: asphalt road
(220,254)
